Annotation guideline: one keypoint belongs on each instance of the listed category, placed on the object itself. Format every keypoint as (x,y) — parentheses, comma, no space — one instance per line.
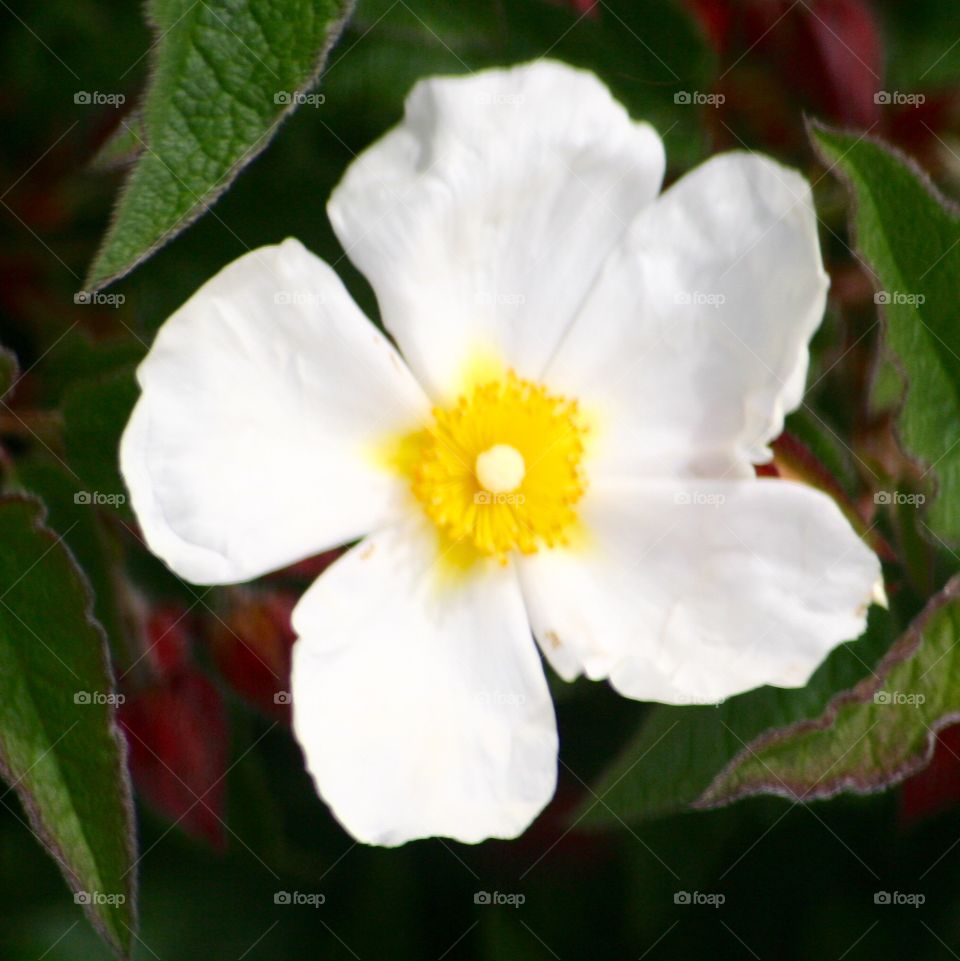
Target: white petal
(482,219)
(253,444)
(693,344)
(695,592)
(419,697)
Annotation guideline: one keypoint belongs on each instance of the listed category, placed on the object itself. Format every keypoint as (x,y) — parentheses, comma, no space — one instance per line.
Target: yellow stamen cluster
(501,468)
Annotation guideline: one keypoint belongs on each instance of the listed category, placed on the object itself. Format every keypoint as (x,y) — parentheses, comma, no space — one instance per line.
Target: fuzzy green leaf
(225,74)
(867,738)
(910,236)
(677,751)
(60,748)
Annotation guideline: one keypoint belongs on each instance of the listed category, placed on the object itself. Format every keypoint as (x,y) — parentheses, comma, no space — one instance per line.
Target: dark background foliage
(227,816)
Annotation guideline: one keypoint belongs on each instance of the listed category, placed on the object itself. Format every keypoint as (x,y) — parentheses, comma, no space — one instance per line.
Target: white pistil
(500,469)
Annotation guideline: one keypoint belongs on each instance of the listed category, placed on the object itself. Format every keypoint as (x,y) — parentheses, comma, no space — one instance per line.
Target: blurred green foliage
(798,882)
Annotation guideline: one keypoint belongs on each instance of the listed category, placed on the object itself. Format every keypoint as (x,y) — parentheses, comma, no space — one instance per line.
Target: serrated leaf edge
(123,778)
(902,650)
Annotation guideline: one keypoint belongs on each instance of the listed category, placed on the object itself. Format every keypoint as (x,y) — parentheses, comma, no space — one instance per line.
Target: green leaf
(123,146)
(64,757)
(910,236)
(95,412)
(225,74)
(870,737)
(678,751)
(79,524)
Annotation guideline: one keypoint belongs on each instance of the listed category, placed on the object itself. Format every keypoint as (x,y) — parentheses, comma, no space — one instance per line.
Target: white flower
(588,373)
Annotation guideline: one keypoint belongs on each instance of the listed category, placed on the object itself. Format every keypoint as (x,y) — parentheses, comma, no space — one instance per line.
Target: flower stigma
(500,469)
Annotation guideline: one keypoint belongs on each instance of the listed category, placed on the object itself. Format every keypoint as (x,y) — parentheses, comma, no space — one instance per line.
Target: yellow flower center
(501,468)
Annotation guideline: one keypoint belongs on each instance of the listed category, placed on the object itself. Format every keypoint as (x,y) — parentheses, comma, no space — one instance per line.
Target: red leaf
(824,55)
(311,568)
(923,129)
(716,19)
(169,629)
(937,787)
(845,35)
(251,643)
(177,735)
